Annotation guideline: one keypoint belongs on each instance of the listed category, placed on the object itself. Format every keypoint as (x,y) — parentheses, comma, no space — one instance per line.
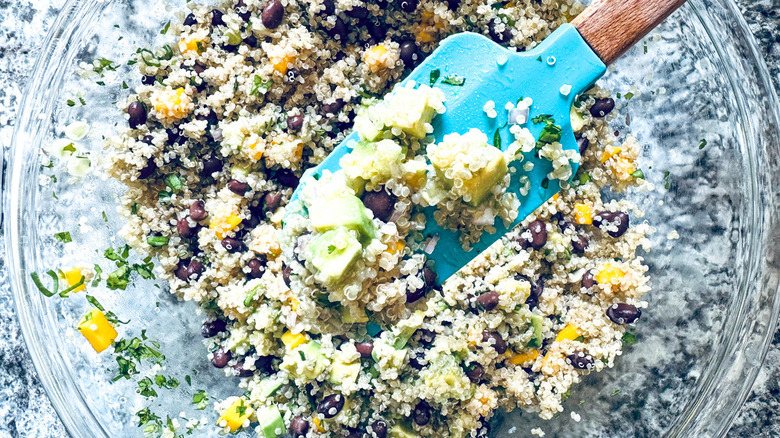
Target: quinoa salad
(324,303)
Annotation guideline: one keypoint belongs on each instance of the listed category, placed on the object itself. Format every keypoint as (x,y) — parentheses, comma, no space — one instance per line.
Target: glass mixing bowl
(712,310)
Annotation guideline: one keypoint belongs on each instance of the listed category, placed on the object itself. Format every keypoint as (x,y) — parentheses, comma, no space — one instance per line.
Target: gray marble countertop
(24,409)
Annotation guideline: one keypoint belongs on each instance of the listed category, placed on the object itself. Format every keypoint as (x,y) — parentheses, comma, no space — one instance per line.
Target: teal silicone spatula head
(551,75)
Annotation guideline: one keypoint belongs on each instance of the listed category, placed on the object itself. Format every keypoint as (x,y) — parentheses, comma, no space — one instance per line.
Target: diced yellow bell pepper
(317,425)
(281,64)
(398,247)
(609,152)
(556,196)
(171,103)
(190,44)
(375,58)
(568,332)
(294,303)
(610,274)
(73,276)
(583,214)
(523,358)
(96,328)
(424,37)
(235,415)
(223,224)
(293,340)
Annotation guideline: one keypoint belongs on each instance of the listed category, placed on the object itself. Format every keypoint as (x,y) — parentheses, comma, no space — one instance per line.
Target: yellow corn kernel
(96,328)
(294,303)
(569,332)
(523,358)
(281,64)
(235,415)
(171,103)
(189,44)
(223,224)
(293,340)
(583,214)
(548,367)
(317,425)
(254,149)
(73,276)
(424,37)
(556,196)
(398,247)
(610,274)
(375,58)
(609,152)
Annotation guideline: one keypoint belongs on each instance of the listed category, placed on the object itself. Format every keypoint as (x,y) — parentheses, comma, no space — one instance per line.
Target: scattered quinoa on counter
(325,306)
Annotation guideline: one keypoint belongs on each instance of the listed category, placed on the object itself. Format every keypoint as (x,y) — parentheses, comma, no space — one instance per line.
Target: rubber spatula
(552,74)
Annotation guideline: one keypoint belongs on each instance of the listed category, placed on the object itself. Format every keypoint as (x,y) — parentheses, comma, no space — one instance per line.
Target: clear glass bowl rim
(709,413)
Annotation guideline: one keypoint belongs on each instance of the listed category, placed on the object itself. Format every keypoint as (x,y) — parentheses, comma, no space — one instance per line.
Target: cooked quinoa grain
(341,327)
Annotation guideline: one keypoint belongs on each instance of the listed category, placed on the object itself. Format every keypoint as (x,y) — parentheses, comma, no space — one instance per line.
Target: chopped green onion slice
(157,241)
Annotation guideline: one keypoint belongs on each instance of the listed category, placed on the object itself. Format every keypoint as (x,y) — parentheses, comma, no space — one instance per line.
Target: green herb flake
(92,300)
(41,288)
(146,416)
(174,183)
(167,383)
(580,338)
(165,28)
(259,85)
(157,241)
(200,399)
(667,183)
(124,85)
(644,48)
(539,58)
(629,338)
(638,174)
(543,118)
(434,76)
(241,408)
(454,80)
(104,65)
(617,391)
(70,102)
(63,237)
(82,101)
(301,353)
(105,217)
(145,388)
(545,183)
(497,138)
(98,272)
(101,83)
(628,95)
(702,144)
(331,248)
(69,148)
(188,379)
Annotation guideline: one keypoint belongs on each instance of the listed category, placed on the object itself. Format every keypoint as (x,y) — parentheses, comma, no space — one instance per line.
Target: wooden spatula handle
(612,26)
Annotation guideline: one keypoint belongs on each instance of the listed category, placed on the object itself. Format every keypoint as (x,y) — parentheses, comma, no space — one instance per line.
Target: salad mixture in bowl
(322,307)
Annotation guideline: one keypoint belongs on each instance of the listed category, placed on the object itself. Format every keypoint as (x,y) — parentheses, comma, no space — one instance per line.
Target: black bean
(376,29)
(212,165)
(422,413)
(287,178)
(272,201)
(429,277)
(190,20)
(538,234)
(474,371)
(499,36)
(237,187)
(299,426)
(242,370)
(379,427)
(602,107)
(242,10)
(417,359)
(232,245)
(566,225)
(295,123)
(537,288)
(381,203)
(613,219)
(330,7)
(365,348)
(580,360)
(488,301)
(147,171)
(198,211)
(426,336)
(495,339)
(359,12)
(331,109)
(221,357)
(137,113)
(148,80)
(582,144)
(213,328)
(256,268)
(588,279)
(353,433)
(339,30)
(272,15)
(408,5)
(198,68)
(453,4)
(194,269)
(408,53)
(579,243)
(623,313)
(413,296)
(181,270)
(331,405)
(251,41)
(183,228)
(286,271)
(216,18)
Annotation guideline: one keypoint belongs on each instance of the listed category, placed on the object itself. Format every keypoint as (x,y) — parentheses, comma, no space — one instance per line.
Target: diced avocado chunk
(402,430)
(446,378)
(305,361)
(353,315)
(333,253)
(374,162)
(343,211)
(410,110)
(536,323)
(270,385)
(366,126)
(343,373)
(577,122)
(407,327)
(458,148)
(271,421)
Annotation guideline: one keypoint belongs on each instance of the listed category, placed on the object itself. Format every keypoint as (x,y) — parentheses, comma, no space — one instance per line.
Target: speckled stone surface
(24,409)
